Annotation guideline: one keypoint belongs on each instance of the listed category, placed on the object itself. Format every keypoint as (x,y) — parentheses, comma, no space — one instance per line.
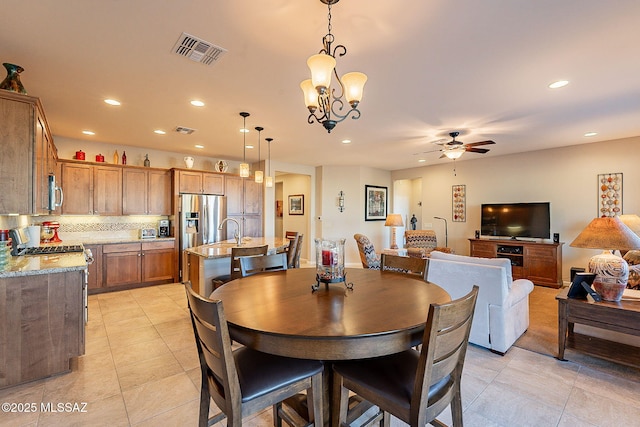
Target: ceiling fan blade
(477,150)
(442,156)
(475,144)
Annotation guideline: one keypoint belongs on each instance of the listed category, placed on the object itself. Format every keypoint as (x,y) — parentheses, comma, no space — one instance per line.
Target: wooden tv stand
(539,262)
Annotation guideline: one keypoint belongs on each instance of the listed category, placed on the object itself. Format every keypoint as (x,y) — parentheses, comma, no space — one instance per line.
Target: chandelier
(325,104)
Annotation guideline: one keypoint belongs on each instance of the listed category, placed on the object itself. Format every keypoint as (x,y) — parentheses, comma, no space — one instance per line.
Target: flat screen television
(532,220)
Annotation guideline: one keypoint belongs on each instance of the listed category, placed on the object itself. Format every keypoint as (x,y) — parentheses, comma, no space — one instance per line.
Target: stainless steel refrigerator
(200,216)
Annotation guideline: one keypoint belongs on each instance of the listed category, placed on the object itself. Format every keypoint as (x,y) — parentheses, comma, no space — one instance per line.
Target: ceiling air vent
(184,130)
(197,49)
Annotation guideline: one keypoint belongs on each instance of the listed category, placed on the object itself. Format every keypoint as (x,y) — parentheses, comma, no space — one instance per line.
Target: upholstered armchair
(368,254)
(420,243)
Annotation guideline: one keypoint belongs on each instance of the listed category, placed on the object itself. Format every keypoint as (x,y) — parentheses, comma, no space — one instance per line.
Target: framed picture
(279,208)
(375,203)
(296,204)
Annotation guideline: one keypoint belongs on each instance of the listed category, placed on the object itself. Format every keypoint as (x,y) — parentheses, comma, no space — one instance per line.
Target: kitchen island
(42,315)
(203,263)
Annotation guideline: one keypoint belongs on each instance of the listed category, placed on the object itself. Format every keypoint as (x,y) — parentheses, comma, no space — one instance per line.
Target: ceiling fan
(454,149)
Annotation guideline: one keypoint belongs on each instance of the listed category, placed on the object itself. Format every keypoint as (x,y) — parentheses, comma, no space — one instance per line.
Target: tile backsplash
(83,228)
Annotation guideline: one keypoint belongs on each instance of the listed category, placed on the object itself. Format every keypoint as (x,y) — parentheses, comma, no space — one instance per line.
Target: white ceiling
(434,66)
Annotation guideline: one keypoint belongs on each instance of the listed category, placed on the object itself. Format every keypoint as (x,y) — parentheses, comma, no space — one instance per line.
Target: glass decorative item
(330,262)
(12,81)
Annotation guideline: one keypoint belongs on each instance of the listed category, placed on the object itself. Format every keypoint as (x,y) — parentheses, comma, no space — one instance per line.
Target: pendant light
(244,166)
(258,174)
(268,182)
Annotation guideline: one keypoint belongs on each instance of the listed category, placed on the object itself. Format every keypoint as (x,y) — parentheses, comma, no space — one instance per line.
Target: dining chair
(245,381)
(236,253)
(405,265)
(367,252)
(296,257)
(413,386)
(293,237)
(250,265)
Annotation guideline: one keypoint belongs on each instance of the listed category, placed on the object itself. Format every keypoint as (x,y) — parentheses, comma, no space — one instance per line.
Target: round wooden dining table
(278,313)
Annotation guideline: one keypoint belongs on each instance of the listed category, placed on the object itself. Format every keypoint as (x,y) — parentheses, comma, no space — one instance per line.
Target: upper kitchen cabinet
(194,182)
(28,156)
(244,203)
(92,190)
(146,191)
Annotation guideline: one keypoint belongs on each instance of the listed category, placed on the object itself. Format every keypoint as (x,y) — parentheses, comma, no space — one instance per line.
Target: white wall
(333,224)
(566,177)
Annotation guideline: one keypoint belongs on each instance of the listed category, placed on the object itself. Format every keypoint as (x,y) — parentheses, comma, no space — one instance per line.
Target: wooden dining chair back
(239,252)
(250,265)
(236,253)
(293,237)
(296,257)
(414,386)
(404,264)
(245,381)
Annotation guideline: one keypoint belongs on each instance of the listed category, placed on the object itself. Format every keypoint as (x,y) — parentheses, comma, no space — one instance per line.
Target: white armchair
(502,309)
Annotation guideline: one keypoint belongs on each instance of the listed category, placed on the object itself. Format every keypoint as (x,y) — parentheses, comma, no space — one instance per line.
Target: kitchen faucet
(238,234)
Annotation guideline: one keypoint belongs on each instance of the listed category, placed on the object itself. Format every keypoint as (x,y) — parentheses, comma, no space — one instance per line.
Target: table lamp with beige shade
(633,256)
(611,270)
(394,220)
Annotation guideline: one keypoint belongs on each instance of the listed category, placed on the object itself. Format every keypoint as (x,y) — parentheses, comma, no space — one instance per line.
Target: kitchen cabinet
(94,270)
(196,182)
(42,320)
(92,190)
(137,263)
(146,191)
(28,155)
(244,203)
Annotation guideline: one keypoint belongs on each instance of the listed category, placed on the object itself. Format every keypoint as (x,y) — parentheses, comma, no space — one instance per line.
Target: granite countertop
(29,265)
(223,249)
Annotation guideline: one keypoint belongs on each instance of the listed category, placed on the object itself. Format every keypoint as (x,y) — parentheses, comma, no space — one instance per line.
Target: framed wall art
(375,203)
(609,194)
(459,203)
(296,204)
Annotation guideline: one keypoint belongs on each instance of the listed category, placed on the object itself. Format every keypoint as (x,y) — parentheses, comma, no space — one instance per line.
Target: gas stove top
(46,250)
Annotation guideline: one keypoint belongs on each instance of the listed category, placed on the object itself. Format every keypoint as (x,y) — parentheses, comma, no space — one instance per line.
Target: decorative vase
(147,163)
(330,261)
(12,81)
(188,161)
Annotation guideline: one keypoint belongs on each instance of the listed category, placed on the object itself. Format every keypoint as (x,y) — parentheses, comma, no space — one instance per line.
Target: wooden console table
(539,262)
(623,316)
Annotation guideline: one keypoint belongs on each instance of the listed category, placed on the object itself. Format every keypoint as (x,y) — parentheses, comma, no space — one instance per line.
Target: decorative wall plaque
(609,194)
(459,203)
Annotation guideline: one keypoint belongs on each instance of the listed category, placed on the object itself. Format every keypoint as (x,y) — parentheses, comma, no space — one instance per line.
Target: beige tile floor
(141,369)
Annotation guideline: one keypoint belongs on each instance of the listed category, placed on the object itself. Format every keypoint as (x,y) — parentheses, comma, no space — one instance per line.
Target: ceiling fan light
(321,66)
(354,87)
(454,153)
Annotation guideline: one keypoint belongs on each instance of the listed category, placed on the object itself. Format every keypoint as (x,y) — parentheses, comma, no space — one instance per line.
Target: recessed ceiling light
(197,103)
(199,146)
(88,132)
(559,84)
(421,160)
(249,146)
(588,134)
(346,141)
(159,132)
(244,130)
(112,102)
